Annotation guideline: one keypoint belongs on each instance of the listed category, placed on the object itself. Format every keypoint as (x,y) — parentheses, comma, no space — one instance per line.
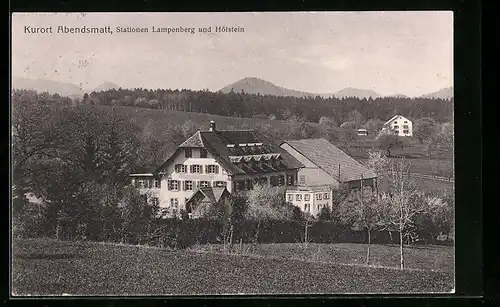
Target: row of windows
(197,169)
(188,153)
(147,183)
(187,185)
(242,185)
(298,197)
(406,122)
(404,131)
(307,207)
(404,127)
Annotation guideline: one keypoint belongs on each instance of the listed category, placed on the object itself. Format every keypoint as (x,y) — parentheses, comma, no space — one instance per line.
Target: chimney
(212,125)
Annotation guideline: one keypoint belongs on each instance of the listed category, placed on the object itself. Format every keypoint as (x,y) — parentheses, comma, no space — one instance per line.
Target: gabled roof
(226,145)
(193,141)
(393,118)
(213,194)
(328,157)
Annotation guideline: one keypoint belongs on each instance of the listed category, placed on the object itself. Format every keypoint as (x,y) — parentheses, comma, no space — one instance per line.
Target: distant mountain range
(61,88)
(263,87)
(445,93)
(247,85)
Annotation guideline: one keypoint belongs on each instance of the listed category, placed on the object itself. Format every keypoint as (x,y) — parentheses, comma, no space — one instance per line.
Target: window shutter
(217,169)
(184,185)
(201,169)
(191,168)
(206,169)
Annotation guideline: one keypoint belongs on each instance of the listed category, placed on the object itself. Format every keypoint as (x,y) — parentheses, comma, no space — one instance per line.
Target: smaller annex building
(326,167)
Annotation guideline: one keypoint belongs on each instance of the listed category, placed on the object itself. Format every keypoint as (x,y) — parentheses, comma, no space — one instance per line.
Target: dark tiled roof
(145,169)
(328,157)
(216,143)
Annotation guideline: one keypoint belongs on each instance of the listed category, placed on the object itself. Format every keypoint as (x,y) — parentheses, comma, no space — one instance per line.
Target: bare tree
(402,205)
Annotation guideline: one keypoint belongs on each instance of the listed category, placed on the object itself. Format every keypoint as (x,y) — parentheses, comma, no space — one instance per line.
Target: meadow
(50,267)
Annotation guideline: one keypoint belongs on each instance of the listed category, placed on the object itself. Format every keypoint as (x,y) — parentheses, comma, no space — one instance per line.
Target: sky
(408,53)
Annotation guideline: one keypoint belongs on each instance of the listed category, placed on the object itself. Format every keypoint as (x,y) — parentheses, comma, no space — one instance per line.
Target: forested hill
(274,107)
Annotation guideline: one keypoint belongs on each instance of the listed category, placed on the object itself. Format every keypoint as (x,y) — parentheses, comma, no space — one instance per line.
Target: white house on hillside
(398,125)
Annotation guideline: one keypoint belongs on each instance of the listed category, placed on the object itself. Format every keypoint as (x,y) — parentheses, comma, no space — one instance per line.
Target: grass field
(48,267)
(429,258)
(164,117)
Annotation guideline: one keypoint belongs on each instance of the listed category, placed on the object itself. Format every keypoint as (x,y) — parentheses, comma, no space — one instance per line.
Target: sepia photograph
(232,153)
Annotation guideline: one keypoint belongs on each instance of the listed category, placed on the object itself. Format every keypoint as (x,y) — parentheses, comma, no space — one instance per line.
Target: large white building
(214,163)
(398,125)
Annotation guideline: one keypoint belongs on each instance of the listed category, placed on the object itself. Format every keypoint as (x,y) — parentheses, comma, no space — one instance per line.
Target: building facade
(215,159)
(326,167)
(398,125)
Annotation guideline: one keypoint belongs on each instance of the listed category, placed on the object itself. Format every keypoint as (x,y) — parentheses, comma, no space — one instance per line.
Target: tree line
(273,107)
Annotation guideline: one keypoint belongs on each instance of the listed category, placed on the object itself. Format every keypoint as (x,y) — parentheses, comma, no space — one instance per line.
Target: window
(204,184)
(307,207)
(174,202)
(405,131)
(188,185)
(203,153)
(173,185)
(239,185)
(298,197)
(396,131)
(156,183)
(396,127)
(302,179)
(195,168)
(318,207)
(405,126)
(220,183)
(274,181)
(396,122)
(155,201)
(319,196)
(307,197)
(406,122)
(289,180)
(281,180)
(326,196)
(290,197)
(143,183)
(188,152)
(248,184)
(212,169)
(180,168)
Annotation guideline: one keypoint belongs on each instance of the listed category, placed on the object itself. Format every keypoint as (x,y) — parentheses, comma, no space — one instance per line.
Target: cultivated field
(166,117)
(48,267)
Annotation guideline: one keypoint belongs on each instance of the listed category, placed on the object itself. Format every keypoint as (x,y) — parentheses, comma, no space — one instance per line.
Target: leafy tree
(350,125)
(388,142)
(424,128)
(266,203)
(325,214)
(374,126)
(328,122)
